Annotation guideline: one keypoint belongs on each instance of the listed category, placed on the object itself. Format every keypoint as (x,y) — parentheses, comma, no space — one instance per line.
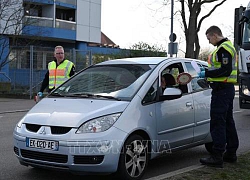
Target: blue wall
(50,32)
(21,77)
(65,5)
(104,50)
(41,1)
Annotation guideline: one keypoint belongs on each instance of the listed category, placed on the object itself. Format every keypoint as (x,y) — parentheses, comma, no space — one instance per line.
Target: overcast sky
(127,22)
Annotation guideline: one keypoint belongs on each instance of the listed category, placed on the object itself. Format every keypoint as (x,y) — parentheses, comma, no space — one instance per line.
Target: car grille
(88,159)
(54,129)
(33,127)
(59,130)
(58,158)
(16,151)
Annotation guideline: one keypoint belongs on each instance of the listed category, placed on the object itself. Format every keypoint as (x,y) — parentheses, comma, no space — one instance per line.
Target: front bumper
(91,154)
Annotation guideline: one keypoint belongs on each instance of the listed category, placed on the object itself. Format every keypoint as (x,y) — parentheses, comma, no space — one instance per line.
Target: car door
(175,118)
(201,104)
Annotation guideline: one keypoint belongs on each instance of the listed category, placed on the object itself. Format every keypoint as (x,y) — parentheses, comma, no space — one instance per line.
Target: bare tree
(204,53)
(11,20)
(12,23)
(191,14)
(190,11)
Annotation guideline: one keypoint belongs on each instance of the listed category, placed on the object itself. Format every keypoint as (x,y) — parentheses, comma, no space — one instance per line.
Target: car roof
(137,60)
(146,60)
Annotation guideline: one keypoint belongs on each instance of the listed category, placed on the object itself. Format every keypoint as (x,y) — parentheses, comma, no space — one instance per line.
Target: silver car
(114,117)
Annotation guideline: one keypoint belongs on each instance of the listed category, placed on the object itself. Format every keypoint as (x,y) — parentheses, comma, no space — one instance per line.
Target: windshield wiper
(108,97)
(57,94)
(92,95)
(80,95)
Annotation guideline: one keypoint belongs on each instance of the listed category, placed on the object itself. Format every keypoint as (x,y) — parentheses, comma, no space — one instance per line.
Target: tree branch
(210,12)
(183,16)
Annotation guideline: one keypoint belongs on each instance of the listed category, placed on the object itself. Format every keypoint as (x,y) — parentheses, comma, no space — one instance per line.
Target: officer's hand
(40,94)
(201,74)
(202,68)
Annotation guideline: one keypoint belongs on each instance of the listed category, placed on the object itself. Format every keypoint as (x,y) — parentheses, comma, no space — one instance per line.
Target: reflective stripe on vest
(59,74)
(214,64)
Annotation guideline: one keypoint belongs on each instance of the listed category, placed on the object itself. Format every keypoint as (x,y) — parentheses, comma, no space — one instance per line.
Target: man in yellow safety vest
(58,72)
(222,75)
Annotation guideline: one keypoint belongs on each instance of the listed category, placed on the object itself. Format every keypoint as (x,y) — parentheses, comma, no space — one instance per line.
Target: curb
(186,169)
(177,172)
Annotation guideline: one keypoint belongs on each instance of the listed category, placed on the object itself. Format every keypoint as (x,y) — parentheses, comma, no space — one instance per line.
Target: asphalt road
(10,169)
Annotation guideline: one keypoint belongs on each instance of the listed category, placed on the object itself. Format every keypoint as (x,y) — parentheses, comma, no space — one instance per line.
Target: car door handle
(189,104)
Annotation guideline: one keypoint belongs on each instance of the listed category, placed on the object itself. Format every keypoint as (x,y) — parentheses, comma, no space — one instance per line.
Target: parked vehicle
(242,45)
(113,117)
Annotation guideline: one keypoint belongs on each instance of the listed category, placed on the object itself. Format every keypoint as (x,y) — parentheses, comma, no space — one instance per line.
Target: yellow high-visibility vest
(59,74)
(213,63)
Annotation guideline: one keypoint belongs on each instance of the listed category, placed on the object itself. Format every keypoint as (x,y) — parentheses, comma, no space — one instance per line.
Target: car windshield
(118,82)
(246,32)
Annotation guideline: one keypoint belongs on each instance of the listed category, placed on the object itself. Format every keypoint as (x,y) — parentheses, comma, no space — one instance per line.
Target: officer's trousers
(222,126)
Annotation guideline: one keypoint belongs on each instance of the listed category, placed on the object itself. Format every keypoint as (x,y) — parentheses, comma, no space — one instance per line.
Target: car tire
(134,158)
(209,147)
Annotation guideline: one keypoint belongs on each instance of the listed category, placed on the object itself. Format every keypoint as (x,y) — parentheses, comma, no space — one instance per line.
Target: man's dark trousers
(222,126)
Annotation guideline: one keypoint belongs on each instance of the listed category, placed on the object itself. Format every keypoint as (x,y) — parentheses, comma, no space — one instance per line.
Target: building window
(32,10)
(65,14)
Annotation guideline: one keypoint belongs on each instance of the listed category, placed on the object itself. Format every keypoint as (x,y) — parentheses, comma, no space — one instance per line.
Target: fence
(28,65)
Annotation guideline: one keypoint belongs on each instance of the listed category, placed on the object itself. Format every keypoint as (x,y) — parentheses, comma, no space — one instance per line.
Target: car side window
(193,73)
(175,69)
(150,96)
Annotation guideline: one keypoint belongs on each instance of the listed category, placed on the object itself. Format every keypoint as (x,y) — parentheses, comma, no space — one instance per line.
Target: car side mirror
(203,83)
(170,94)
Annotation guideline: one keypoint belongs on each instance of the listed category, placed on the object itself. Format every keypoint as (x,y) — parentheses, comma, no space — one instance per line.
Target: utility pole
(171,29)
(172,46)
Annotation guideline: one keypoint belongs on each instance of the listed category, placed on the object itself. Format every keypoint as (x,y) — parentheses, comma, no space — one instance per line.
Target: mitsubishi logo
(43,131)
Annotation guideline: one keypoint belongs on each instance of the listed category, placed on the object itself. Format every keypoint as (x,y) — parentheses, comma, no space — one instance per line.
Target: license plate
(42,144)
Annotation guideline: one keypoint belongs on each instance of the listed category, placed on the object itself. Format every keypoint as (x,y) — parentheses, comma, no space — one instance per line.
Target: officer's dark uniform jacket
(222,65)
(222,75)
(61,77)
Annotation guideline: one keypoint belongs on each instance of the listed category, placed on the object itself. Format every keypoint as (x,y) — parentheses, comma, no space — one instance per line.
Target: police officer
(222,75)
(59,71)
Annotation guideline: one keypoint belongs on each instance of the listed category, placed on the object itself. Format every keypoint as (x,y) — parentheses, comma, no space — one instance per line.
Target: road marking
(15,111)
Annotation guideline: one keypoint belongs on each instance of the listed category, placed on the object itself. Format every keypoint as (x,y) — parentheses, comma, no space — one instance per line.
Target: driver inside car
(167,80)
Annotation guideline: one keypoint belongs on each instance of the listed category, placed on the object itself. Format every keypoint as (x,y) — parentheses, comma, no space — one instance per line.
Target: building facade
(30,29)
(68,20)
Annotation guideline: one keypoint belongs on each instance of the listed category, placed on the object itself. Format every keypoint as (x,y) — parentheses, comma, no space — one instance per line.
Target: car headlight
(99,124)
(245,90)
(19,124)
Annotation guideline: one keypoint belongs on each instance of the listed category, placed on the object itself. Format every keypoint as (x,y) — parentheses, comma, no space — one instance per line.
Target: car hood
(71,112)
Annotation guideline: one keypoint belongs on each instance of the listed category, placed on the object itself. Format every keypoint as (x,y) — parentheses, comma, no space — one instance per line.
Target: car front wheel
(134,158)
